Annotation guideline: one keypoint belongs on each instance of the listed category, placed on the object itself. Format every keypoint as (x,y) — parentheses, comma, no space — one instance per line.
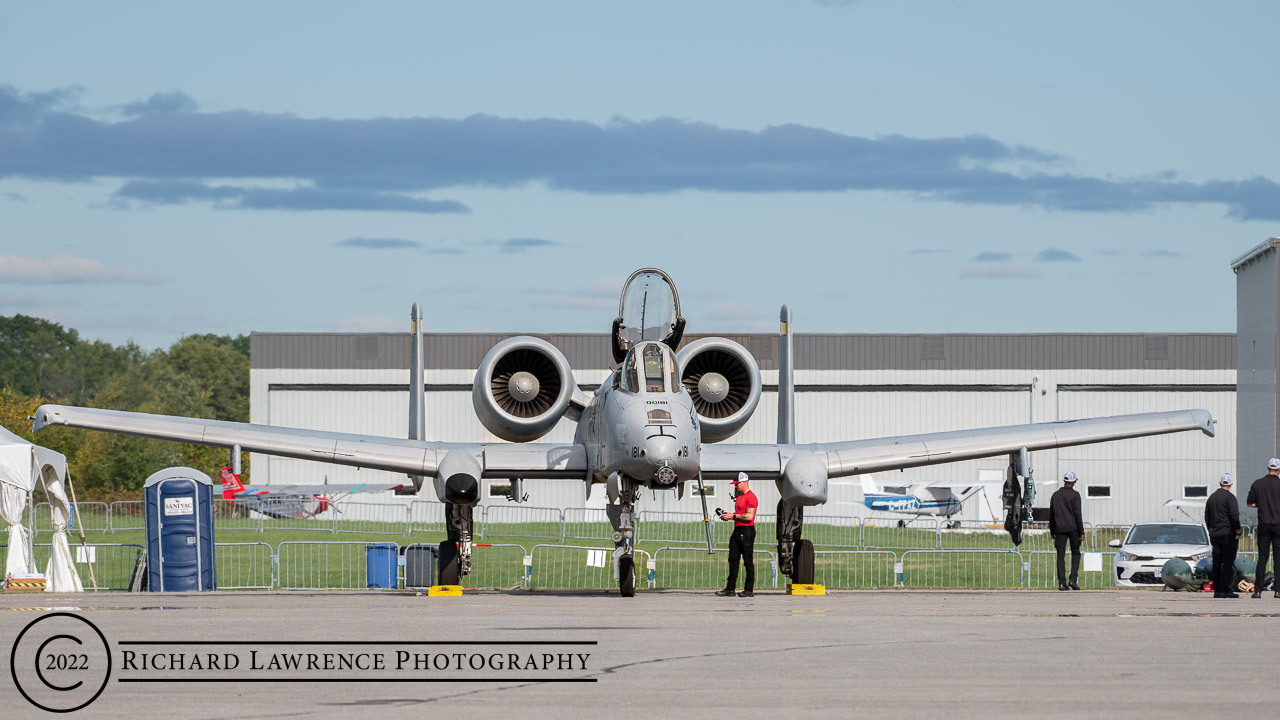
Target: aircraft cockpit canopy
(652,367)
(648,310)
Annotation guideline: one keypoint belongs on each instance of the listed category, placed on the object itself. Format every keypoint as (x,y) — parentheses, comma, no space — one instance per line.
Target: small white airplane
(935,498)
(1183,504)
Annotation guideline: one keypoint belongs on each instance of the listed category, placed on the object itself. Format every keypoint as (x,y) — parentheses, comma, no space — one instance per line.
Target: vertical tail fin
(786,382)
(869,486)
(417,392)
(230,484)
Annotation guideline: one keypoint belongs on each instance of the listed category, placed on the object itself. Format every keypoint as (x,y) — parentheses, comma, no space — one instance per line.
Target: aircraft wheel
(627,576)
(803,574)
(450,573)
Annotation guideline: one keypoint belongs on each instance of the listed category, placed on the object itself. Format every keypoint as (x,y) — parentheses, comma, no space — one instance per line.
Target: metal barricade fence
(681,528)
(227,515)
(830,531)
(1097,538)
(1249,539)
(128,515)
(896,534)
(520,521)
(975,535)
(288,513)
(579,567)
(588,524)
(426,516)
(855,569)
(961,569)
(244,566)
(370,518)
(693,568)
(89,516)
(496,566)
(1042,570)
(112,563)
(321,565)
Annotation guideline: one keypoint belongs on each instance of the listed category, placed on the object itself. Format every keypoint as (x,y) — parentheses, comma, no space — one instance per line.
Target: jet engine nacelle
(522,388)
(724,381)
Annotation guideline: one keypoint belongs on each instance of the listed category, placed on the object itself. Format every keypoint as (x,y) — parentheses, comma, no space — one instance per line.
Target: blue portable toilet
(179,513)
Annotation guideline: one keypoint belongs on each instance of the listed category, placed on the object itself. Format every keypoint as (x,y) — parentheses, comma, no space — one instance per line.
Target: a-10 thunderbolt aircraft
(658,422)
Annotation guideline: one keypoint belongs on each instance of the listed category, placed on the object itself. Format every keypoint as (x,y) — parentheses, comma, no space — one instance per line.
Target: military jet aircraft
(658,422)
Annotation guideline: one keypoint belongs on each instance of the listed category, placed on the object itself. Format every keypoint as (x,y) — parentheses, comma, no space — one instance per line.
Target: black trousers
(1224,562)
(1060,544)
(742,544)
(1268,545)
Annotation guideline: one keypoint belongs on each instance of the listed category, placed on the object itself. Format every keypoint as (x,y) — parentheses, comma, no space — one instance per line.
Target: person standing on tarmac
(743,541)
(1222,518)
(1264,495)
(1066,524)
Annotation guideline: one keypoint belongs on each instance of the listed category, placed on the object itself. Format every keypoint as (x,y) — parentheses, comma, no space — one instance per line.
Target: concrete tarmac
(955,654)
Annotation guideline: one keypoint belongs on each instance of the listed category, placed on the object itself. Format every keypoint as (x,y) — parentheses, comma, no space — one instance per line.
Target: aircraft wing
(413,457)
(1184,503)
(315,490)
(866,456)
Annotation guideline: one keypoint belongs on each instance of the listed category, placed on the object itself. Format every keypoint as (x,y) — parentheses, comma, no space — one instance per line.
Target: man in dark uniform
(742,542)
(1222,518)
(1066,524)
(1264,495)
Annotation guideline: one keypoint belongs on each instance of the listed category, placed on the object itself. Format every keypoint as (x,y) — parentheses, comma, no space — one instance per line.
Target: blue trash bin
(380,561)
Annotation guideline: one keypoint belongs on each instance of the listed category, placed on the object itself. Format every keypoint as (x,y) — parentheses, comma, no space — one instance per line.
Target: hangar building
(848,386)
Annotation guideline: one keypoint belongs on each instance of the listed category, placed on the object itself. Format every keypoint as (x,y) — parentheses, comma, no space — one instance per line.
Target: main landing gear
(455,553)
(795,554)
(622,515)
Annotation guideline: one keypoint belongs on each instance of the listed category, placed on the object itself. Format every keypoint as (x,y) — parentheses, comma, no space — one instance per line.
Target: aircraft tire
(448,563)
(803,563)
(627,576)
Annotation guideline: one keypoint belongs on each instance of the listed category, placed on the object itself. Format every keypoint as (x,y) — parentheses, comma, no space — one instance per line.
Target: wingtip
(1204,420)
(45,416)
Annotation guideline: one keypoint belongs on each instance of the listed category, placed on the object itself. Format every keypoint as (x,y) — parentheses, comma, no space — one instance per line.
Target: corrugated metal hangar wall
(848,387)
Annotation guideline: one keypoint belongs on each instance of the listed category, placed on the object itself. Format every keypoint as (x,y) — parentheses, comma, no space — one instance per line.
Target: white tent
(22,463)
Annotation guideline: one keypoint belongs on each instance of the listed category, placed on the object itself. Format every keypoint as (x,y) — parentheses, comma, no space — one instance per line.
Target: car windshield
(1167,535)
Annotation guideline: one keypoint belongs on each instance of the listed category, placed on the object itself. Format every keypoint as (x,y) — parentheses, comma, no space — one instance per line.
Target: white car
(1149,545)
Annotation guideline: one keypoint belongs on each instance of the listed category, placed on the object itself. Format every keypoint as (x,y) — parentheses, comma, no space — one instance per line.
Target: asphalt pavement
(947,654)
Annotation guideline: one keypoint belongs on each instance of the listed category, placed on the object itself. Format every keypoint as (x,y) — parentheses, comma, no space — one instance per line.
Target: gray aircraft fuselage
(641,423)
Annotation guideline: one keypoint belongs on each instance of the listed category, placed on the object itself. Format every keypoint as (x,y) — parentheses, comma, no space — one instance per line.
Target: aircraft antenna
(644,307)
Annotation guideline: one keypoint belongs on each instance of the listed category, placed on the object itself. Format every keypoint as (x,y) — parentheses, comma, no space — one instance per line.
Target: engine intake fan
(522,388)
(723,379)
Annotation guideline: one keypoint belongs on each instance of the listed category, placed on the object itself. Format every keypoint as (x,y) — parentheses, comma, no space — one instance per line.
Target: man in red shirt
(743,540)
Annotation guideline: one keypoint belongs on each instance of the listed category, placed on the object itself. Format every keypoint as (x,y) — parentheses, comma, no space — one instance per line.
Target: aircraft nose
(662,450)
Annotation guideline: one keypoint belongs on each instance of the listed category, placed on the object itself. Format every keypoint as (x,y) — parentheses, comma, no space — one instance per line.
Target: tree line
(205,376)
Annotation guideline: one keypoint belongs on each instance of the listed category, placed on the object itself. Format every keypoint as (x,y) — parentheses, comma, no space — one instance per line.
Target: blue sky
(880,166)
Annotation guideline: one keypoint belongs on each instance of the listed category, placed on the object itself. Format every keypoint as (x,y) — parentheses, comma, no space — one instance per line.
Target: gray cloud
(374,164)
(306,198)
(988,256)
(13,196)
(930,251)
(378,243)
(1056,255)
(1160,254)
(161,104)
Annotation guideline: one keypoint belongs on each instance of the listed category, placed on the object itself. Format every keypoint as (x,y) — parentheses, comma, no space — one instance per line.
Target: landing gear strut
(622,515)
(795,554)
(455,553)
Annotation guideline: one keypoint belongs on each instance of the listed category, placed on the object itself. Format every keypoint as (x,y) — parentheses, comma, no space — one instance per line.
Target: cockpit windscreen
(649,309)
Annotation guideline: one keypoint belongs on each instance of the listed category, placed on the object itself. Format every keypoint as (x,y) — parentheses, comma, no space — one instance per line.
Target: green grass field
(849,556)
